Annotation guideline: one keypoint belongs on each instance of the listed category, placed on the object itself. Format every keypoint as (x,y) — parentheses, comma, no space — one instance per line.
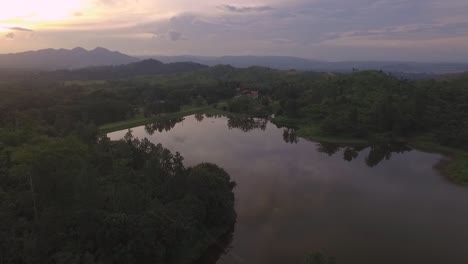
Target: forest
(61,179)
(70,195)
(375,107)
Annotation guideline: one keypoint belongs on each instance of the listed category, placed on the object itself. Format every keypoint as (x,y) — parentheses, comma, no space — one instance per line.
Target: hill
(301,64)
(52,59)
(145,67)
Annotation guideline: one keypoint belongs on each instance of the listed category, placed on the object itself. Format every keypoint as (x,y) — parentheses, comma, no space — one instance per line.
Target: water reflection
(162,125)
(247,124)
(384,151)
(292,200)
(377,152)
(199,117)
(328,148)
(290,136)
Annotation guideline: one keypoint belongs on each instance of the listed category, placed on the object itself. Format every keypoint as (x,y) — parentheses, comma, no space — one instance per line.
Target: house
(249,93)
(253,94)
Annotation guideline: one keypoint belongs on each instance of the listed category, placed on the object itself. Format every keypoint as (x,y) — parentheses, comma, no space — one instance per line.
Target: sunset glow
(33,11)
(336,30)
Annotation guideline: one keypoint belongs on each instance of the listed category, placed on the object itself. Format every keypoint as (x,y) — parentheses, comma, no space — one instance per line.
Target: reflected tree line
(290,136)
(162,125)
(377,152)
(247,124)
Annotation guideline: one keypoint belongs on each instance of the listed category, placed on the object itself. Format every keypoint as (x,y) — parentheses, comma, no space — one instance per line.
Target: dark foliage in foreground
(113,202)
(69,196)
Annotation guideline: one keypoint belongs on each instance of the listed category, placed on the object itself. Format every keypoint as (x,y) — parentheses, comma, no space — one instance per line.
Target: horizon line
(140,56)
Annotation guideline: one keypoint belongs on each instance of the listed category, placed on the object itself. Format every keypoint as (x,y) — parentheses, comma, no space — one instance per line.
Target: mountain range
(54,59)
(301,64)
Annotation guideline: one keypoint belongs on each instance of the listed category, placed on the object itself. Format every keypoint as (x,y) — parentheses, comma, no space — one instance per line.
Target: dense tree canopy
(369,104)
(68,195)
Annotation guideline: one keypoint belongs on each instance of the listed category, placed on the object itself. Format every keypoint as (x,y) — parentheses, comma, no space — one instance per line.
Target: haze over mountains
(288,63)
(54,59)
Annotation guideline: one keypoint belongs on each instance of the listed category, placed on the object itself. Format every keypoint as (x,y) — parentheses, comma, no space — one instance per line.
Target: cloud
(405,32)
(20,29)
(305,28)
(175,36)
(282,41)
(245,9)
(170,35)
(10,35)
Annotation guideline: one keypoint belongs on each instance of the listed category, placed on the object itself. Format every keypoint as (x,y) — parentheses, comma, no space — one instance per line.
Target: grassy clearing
(456,169)
(312,132)
(140,120)
(455,164)
(136,121)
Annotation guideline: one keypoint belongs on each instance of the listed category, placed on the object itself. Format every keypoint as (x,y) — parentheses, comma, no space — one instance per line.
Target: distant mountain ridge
(294,63)
(53,59)
(144,67)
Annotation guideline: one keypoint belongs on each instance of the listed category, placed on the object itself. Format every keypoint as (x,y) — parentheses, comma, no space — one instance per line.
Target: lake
(381,204)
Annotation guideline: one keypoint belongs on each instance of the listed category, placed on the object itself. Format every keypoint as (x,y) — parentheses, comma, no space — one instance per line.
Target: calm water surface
(382,205)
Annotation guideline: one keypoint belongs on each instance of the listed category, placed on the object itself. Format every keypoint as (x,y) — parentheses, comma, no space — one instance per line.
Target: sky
(410,30)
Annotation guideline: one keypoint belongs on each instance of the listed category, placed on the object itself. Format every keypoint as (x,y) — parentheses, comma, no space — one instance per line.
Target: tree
(290,108)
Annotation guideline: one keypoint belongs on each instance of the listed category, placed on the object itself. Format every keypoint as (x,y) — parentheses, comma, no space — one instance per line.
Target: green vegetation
(457,169)
(455,163)
(313,132)
(145,67)
(358,108)
(68,195)
(375,107)
(141,120)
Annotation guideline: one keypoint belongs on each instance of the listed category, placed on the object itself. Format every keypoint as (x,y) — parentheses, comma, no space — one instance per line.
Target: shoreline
(140,120)
(454,162)
(453,165)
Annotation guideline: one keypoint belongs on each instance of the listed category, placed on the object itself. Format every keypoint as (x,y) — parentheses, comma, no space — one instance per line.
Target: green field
(454,165)
(140,120)
(313,132)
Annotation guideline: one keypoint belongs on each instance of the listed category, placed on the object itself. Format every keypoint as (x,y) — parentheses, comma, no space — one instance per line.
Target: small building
(249,93)
(253,94)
